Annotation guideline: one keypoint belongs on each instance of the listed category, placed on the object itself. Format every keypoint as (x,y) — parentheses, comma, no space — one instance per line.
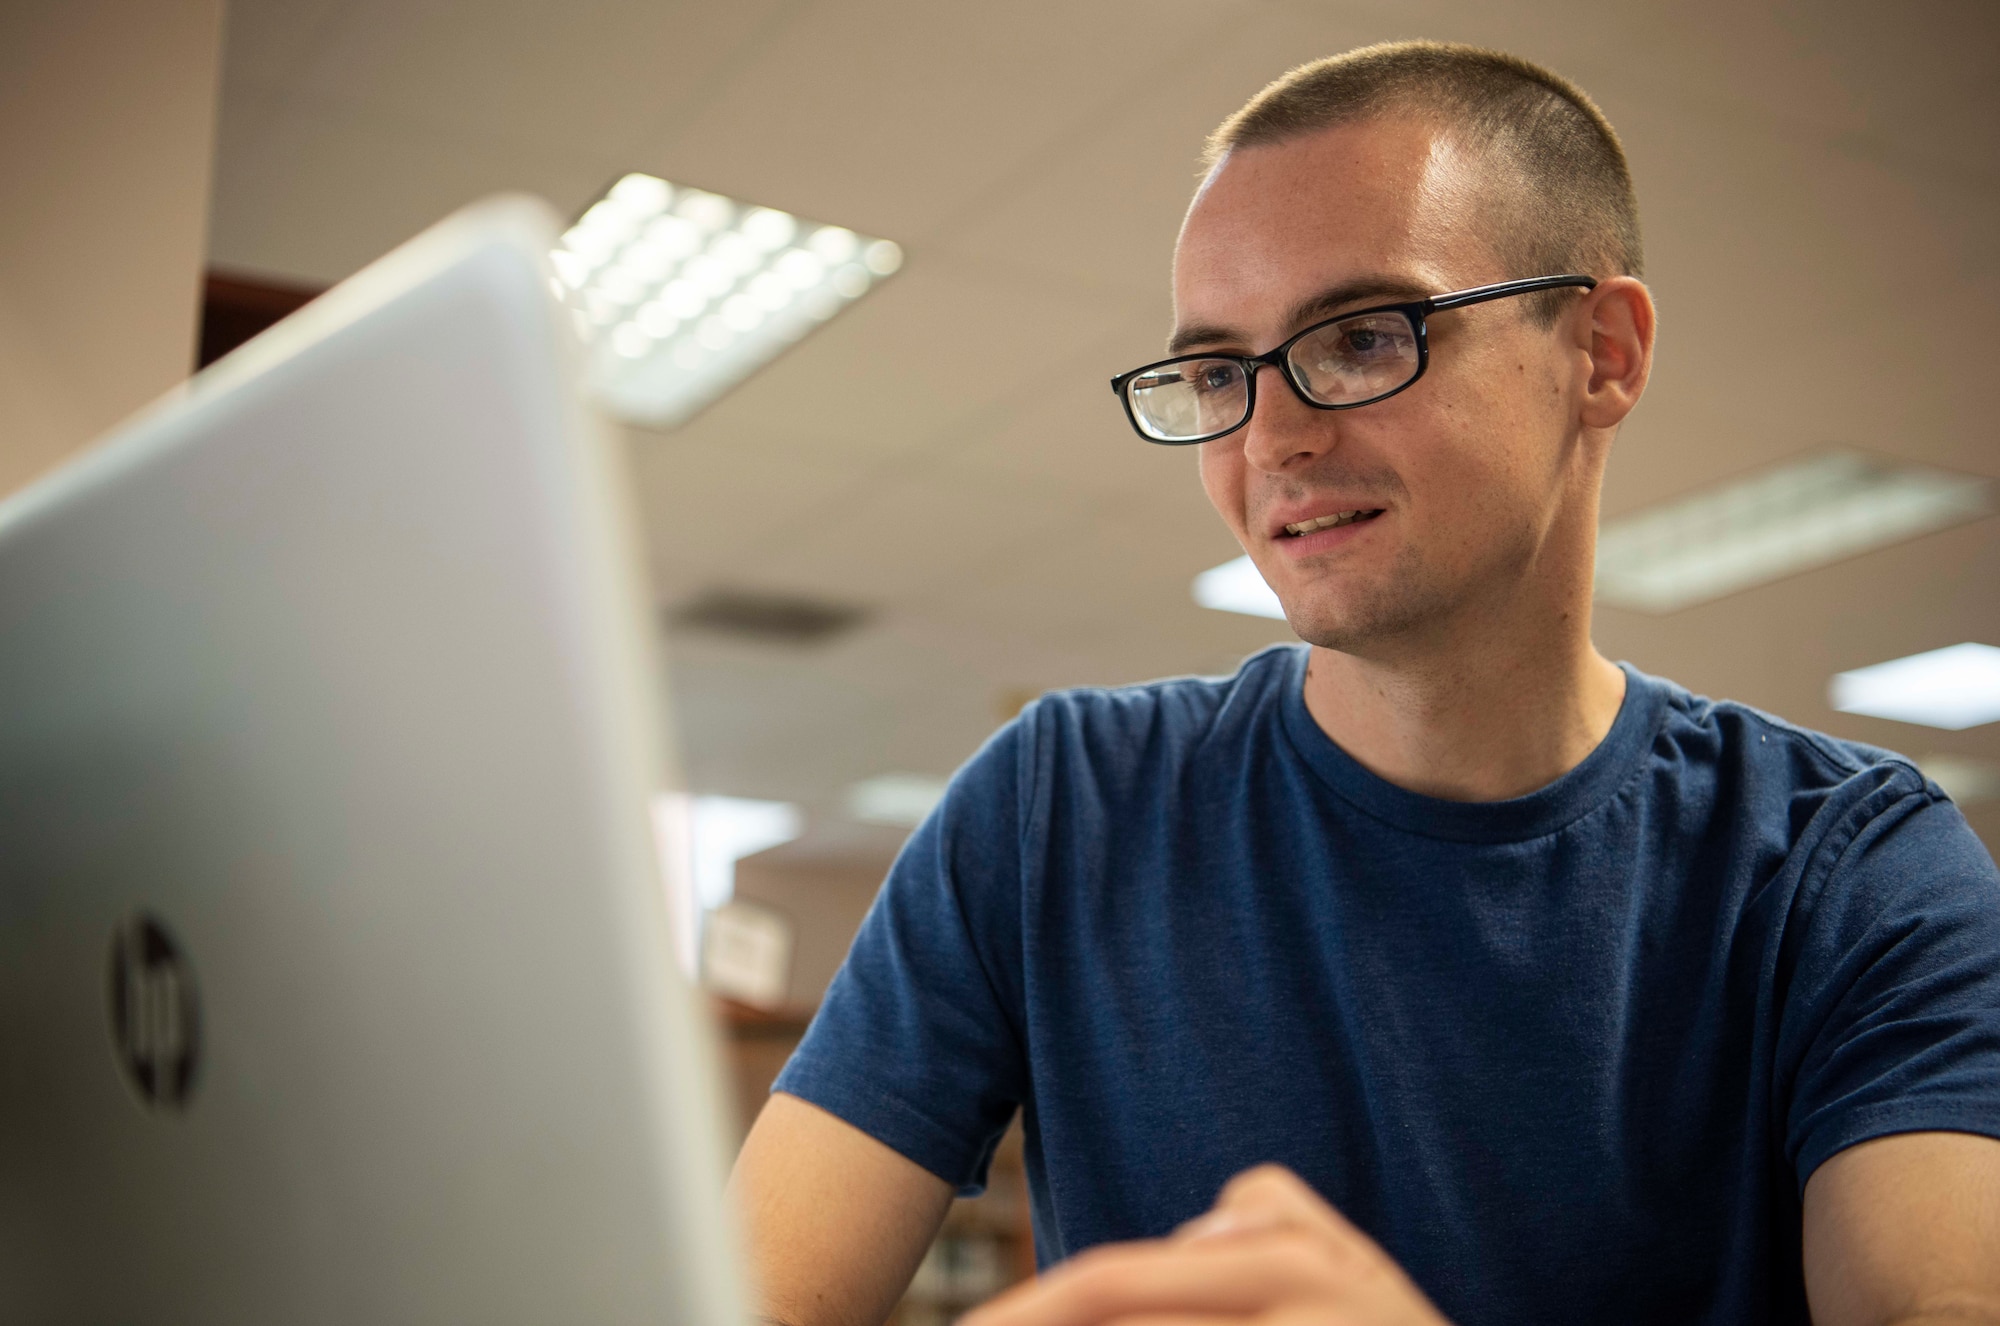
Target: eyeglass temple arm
(1480,294)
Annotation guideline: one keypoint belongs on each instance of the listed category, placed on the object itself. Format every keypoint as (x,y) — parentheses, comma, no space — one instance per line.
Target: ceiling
(1819,184)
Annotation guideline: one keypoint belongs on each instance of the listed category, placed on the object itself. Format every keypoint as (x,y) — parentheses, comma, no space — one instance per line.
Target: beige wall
(107,134)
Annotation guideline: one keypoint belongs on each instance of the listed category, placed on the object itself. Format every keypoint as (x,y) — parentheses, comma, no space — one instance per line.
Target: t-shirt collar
(1543,811)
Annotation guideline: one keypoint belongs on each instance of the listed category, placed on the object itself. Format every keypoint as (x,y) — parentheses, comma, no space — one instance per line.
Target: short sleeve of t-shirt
(918,1040)
(1889,1019)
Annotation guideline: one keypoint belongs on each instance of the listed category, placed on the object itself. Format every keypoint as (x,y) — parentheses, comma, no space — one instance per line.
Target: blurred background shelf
(987,1242)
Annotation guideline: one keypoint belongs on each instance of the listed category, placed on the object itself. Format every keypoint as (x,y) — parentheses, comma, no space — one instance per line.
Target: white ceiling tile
(325,189)
(269,42)
(906,529)
(892,115)
(1793,283)
(707,496)
(597,76)
(1106,203)
(941,348)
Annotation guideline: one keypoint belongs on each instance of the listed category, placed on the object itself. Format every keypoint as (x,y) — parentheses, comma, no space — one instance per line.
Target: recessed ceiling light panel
(900,800)
(1953,688)
(727,829)
(680,294)
(1776,523)
(1964,778)
(1237,587)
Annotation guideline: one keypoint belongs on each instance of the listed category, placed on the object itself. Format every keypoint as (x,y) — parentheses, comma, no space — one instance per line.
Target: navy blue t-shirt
(1570,1057)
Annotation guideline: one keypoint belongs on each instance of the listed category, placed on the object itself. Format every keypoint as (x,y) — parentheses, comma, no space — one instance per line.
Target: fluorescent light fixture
(1779,522)
(1963,778)
(680,294)
(724,830)
(1237,587)
(1953,688)
(900,800)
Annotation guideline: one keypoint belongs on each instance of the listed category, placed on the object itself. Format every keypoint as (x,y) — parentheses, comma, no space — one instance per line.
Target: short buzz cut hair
(1572,207)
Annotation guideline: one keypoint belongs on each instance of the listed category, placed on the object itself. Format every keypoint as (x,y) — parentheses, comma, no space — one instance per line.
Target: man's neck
(1471,721)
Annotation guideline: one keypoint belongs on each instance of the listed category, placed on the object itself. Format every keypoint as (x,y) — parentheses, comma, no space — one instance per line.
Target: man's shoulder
(1170,713)
(1107,745)
(1758,759)
(1702,725)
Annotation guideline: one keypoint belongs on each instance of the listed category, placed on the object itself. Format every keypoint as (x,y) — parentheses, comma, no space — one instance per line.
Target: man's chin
(1342,638)
(1350,627)
(1329,630)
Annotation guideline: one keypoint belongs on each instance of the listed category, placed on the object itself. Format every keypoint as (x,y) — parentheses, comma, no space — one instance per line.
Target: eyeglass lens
(1342,363)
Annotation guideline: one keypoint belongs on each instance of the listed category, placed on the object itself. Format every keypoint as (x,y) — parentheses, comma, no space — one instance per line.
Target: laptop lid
(336,981)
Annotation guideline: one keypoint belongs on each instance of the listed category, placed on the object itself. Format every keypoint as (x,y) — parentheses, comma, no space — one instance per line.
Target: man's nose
(1283,430)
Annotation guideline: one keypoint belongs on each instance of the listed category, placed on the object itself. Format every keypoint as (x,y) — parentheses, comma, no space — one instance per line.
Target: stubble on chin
(1361,618)
(1418,598)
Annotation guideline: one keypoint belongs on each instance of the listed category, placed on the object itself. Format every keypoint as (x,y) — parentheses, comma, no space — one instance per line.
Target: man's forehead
(1276,224)
(1388,154)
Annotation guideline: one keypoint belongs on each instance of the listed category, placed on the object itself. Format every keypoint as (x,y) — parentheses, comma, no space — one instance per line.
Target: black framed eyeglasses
(1355,359)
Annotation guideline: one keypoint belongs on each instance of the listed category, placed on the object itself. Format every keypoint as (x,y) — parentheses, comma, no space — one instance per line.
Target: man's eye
(1369,343)
(1215,377)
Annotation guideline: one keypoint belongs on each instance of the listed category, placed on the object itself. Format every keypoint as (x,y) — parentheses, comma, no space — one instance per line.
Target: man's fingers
(1273,1195)
(1270,1196)
(1221,1224)
(1270,1250)
(1272,1188)
(1225,1277)
(1178,1319)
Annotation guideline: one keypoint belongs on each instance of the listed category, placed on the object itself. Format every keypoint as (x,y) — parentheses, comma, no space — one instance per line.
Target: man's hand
(1270,1251)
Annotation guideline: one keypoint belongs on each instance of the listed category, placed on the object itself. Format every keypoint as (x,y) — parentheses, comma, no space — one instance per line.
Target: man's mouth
(1334,521)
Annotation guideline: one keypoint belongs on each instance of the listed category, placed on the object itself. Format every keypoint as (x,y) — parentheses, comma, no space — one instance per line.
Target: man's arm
(834,1222)
(1904,1230)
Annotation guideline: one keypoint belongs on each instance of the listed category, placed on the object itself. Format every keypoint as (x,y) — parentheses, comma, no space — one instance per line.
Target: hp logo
(155,1019)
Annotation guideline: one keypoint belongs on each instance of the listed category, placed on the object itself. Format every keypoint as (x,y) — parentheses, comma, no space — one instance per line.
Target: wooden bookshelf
(987,1244)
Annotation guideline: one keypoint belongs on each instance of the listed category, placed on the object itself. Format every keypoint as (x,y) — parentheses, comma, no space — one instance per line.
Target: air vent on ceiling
(779,619)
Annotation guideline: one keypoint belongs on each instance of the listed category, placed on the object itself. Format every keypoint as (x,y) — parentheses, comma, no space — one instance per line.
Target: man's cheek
(1223,483)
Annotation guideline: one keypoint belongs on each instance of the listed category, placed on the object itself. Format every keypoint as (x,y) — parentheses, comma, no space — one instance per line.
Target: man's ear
(1615,324)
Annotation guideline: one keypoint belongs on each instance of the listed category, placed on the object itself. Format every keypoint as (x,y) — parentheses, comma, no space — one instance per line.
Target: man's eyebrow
(1313,308)
(1201,333)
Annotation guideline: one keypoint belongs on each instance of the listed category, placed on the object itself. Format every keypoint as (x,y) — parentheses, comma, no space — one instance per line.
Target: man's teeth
(1327,522)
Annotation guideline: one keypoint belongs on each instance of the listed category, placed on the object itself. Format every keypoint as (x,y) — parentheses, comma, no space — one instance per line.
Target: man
(1483,979)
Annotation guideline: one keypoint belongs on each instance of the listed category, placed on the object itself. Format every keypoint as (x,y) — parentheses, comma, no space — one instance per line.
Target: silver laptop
(336,982)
